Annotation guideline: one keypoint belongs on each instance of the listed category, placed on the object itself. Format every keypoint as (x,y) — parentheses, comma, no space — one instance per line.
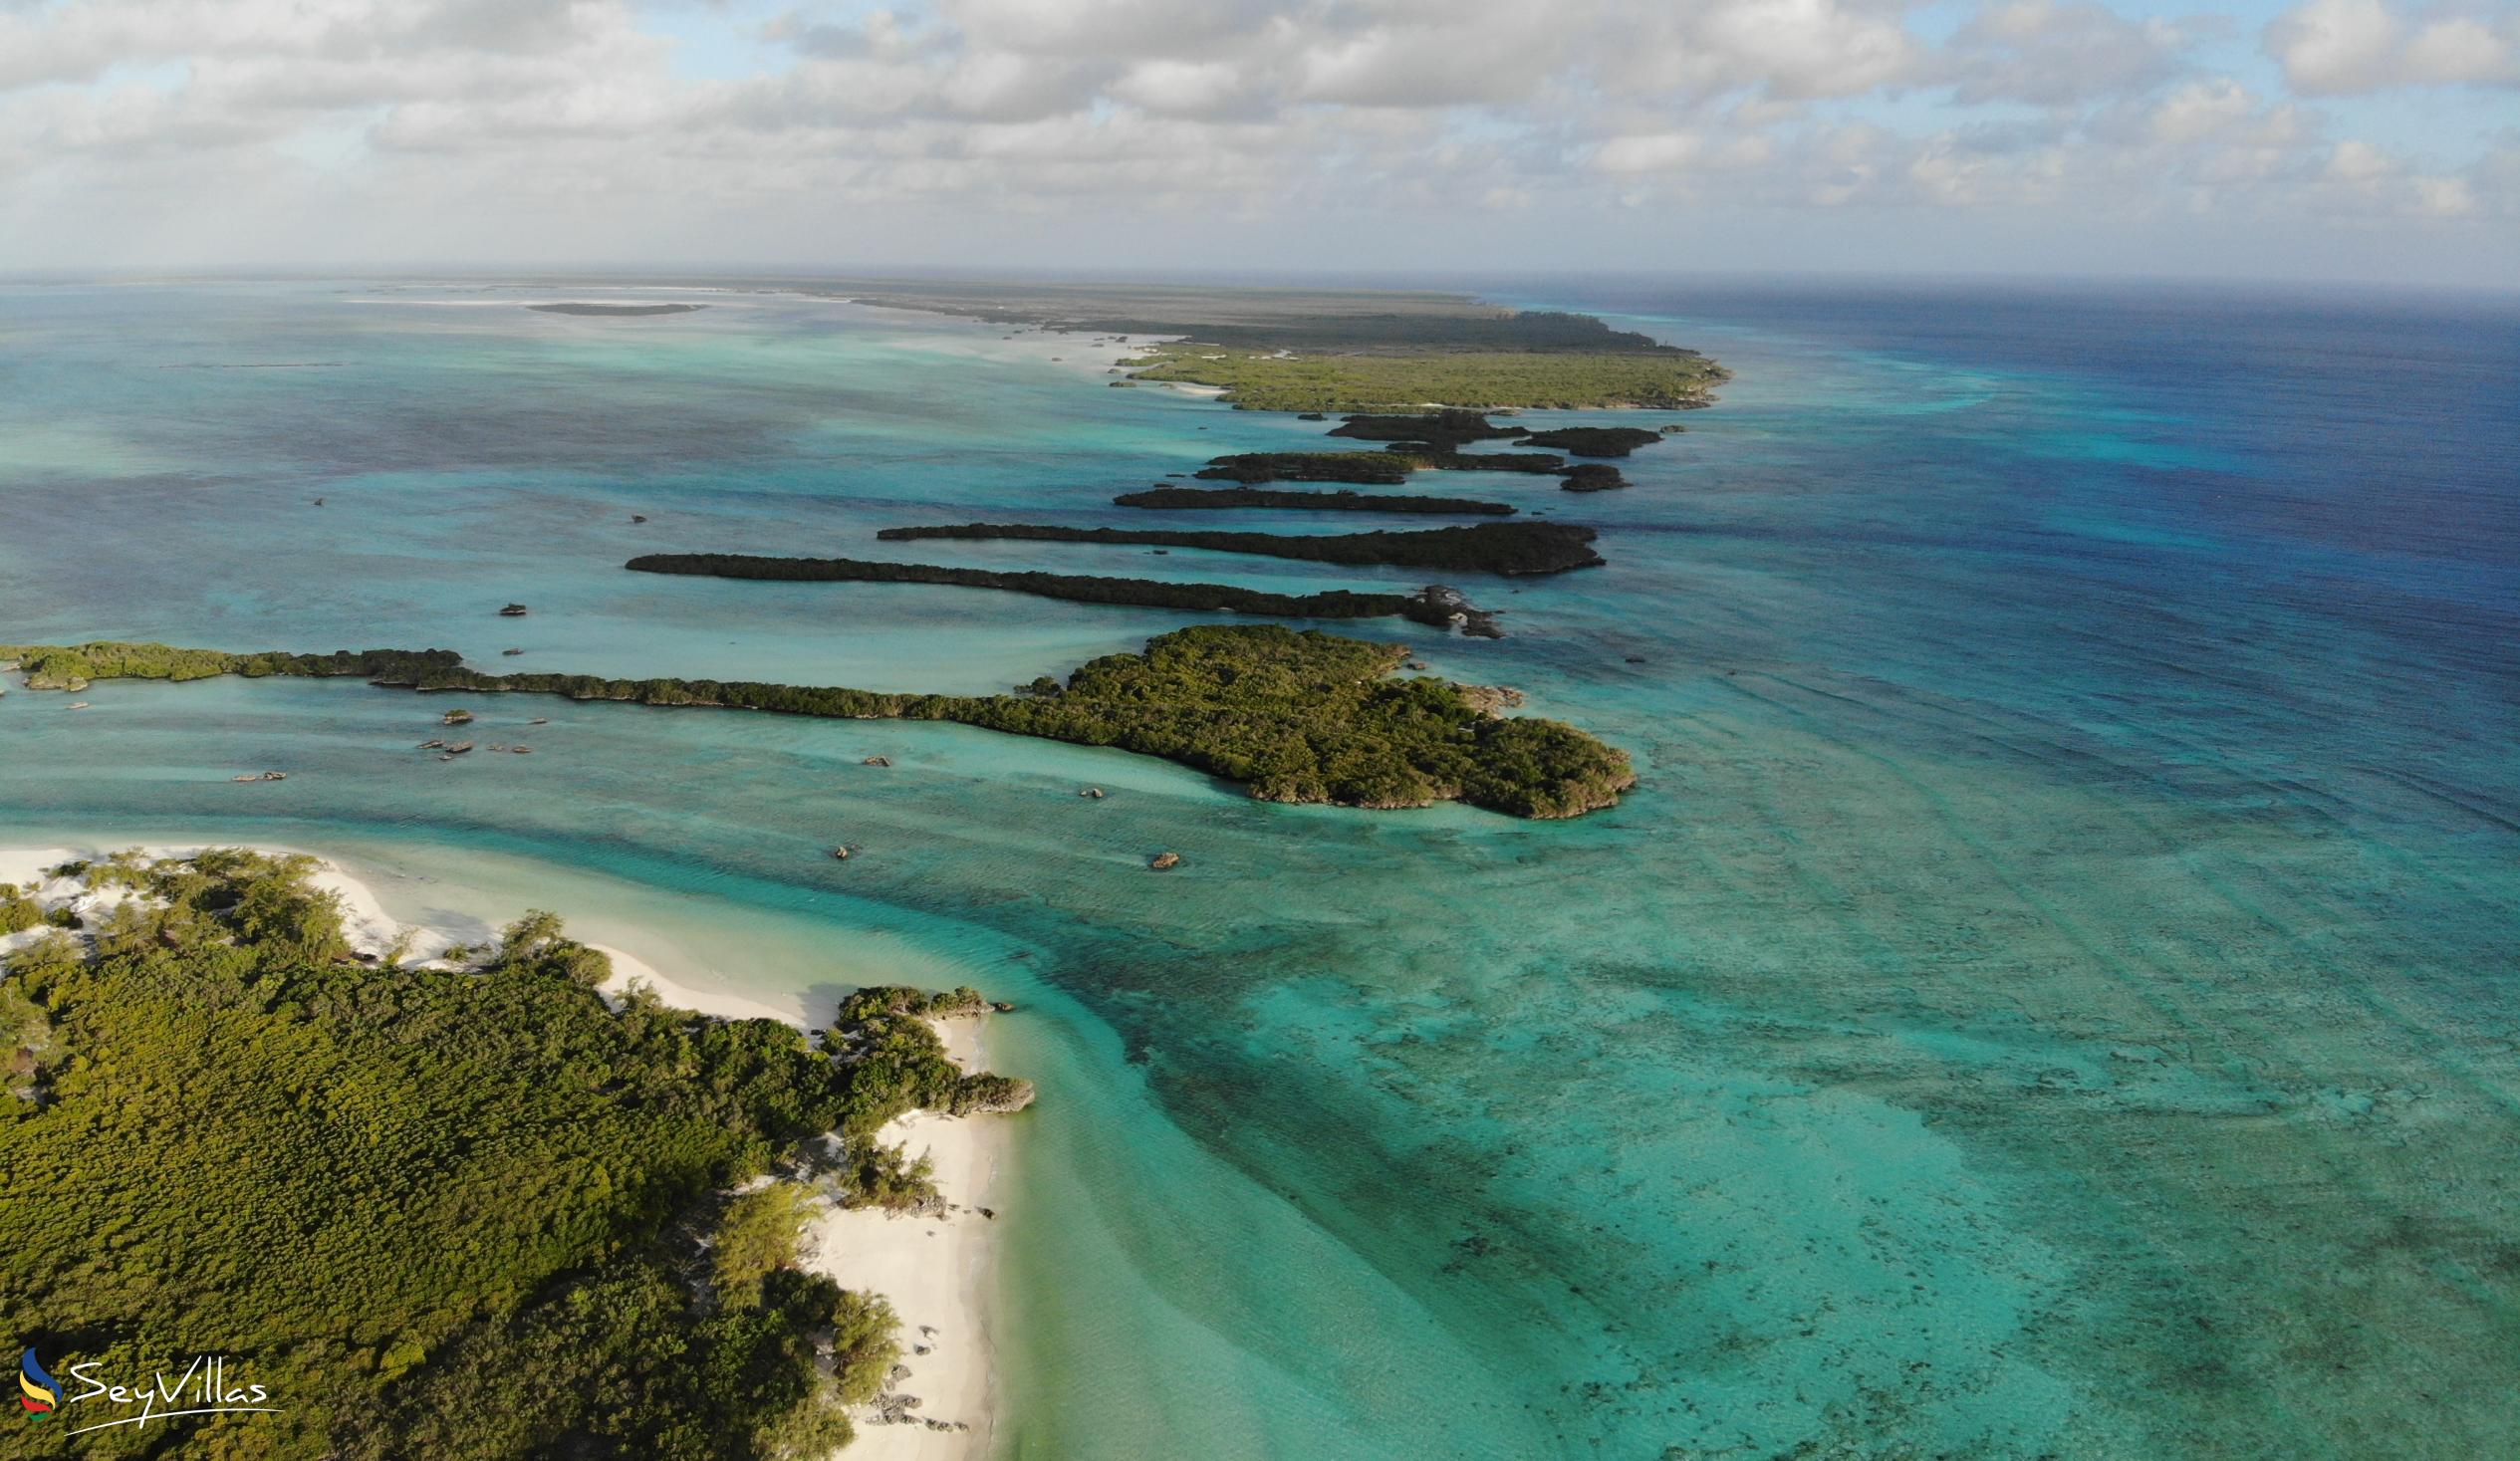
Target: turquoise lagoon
(2050,995)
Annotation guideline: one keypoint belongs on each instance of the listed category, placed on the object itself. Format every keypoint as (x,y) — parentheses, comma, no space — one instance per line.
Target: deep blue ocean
(2050,994)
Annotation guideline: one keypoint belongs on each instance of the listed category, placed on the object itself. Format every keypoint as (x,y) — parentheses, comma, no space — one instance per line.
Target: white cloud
(483,127)
(2350,46)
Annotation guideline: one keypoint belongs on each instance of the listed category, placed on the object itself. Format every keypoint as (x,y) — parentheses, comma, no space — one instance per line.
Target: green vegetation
(453,1213)
(1368,468)
(1346,350)
(1176,498)
(1076,587)
(1297,716)
(1493,547)
(1434,428)
(1484,379)
(1375,469)
(1593,440)
(1593,477)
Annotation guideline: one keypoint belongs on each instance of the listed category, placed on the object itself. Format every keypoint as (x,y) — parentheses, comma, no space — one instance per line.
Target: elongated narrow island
(1488,548)
(1295,716)
(1434,604)
(1175,499)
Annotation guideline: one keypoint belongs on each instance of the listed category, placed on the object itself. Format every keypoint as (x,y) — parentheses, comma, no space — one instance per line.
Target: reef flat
(630,310)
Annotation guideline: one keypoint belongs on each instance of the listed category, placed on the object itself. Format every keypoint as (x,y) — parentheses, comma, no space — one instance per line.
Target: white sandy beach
(934,1269)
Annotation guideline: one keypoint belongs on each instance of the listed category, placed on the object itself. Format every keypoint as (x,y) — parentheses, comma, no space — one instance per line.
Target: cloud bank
(2343,136)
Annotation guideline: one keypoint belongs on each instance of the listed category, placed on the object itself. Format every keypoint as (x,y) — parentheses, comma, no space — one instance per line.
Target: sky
(2369,141)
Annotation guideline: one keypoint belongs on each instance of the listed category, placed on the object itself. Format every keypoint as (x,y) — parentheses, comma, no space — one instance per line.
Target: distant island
(1295,716)
(1434,604)
(577,309)
(1493,547)
(1195,498)
(1342,350)
(1372,468)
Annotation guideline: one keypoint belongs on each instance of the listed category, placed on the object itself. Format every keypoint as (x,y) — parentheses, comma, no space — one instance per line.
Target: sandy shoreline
(933,1269)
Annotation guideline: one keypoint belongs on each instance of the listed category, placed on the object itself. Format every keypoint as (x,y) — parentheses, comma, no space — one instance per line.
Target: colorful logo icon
(42,1391)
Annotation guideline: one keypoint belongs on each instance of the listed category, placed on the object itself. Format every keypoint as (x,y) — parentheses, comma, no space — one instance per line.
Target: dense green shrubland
(1177,498)
(439,1213)
(1491,548)
(1297,716)
(1484,379)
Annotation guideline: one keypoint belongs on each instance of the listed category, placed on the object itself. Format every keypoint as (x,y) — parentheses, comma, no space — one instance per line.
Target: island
(1292,715)
(1322,351)
(470,1205)
(1444,428)
(1593,477)
(1177,498)
(1370,468)
(1432,605)
(1493,547)
(1593,440)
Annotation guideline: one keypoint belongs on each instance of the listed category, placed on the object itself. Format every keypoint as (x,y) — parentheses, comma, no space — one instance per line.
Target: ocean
(2050,994)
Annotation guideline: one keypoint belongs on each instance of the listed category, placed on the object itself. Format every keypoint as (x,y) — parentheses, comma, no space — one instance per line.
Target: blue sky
(2290,139)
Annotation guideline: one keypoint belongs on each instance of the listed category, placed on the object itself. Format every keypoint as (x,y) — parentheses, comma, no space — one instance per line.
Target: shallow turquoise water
(2050,994)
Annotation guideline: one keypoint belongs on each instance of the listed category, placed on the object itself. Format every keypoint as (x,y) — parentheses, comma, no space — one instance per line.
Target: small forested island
(1593,477)
(1444,428)
(1372,468)
(1296,716)
(587,309)
(1434,604)
(1593,440)
(1494,547)
(462,1209)
(1320,351)
(1179,497)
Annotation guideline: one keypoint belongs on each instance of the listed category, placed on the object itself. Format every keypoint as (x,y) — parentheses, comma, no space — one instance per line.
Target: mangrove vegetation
(1295,716)
(1493,547)
(461,1212)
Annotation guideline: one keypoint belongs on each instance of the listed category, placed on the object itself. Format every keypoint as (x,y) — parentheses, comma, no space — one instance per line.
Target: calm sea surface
(2053,993)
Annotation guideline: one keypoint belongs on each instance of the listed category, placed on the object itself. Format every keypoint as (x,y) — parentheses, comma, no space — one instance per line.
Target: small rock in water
(638,517)
(1095,793)
(511,651)
(876,761)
